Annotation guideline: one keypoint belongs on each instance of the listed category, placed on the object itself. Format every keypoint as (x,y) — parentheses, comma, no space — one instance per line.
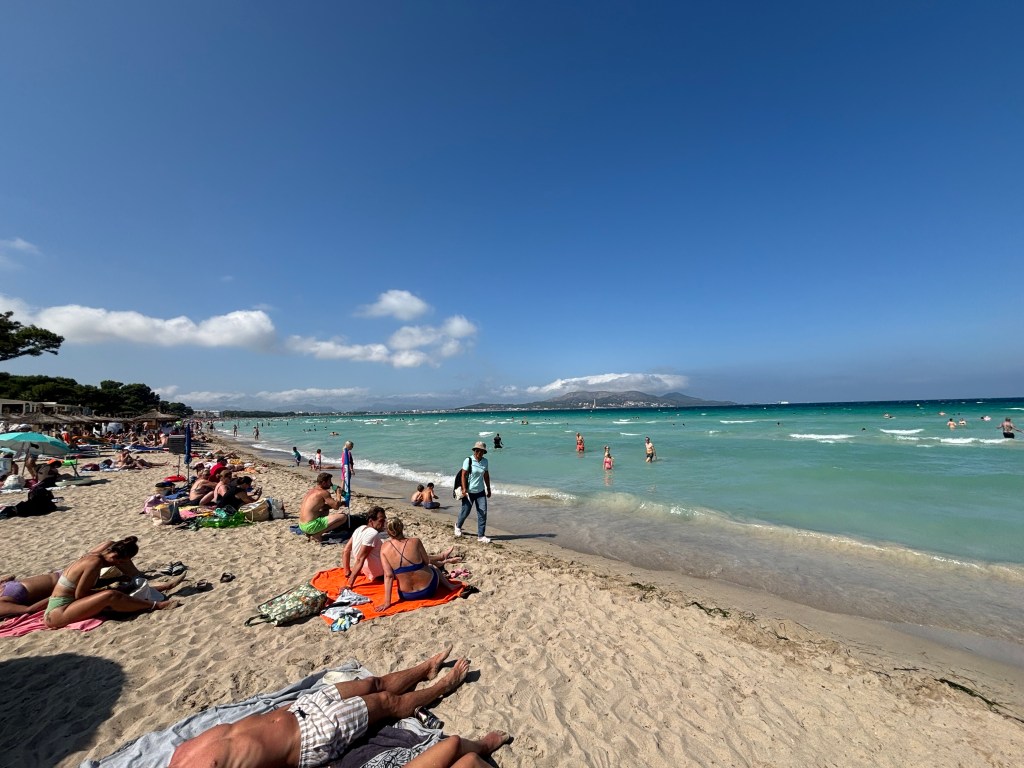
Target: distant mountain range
(584,400)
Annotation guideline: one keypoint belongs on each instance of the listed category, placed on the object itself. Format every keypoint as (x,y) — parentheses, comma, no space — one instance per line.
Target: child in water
(609,462)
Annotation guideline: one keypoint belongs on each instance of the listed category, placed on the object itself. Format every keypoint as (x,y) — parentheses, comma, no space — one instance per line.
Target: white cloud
(270,399)
(408,347)
(447,340)
(16,247)
(337,350)
(458,327)
(650,383)
(202,399)
(411,358)
(311,395)
(398,304)
(90,325)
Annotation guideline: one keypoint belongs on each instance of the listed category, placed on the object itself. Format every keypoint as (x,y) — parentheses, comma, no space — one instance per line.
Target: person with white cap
(476,488)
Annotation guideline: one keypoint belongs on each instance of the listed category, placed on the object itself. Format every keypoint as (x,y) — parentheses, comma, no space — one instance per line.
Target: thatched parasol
(36,419)
(153,416)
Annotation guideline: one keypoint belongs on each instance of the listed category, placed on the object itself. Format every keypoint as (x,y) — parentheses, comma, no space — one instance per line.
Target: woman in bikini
(419,574)
(27,595)
(202,489)
(75,596)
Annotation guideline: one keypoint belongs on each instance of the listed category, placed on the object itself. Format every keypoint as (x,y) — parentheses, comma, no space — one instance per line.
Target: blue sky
(336,204)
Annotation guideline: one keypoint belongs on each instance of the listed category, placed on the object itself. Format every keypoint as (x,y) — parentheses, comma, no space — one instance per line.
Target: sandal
(226,577)
(468,590)
(174,569)
(203,586)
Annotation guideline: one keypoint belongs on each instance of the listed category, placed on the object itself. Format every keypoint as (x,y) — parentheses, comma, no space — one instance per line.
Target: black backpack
(457,485)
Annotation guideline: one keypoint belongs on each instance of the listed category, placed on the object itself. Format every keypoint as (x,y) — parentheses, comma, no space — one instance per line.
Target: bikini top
(401,556)
(67,583)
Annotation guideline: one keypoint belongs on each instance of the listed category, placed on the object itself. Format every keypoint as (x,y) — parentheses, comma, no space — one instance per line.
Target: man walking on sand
(321,726)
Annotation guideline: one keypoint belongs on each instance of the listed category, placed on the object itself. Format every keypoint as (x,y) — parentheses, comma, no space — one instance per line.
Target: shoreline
(995,649)
(583,659)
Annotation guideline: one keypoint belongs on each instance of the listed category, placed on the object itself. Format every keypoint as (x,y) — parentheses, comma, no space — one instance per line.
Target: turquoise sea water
(831,505)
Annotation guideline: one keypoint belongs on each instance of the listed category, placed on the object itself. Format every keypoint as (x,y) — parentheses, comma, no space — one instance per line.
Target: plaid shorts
(328,724)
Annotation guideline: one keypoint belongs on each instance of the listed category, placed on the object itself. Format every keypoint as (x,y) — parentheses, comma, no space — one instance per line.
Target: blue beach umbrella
(188,444)
(35,442)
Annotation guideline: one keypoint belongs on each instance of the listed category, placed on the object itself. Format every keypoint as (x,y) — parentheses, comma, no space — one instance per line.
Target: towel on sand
(401,743)
(33,622)
(333,582)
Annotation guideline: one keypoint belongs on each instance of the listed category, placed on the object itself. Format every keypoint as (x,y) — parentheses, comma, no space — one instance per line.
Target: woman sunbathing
(75,596)
(27,595)
(230,494)
(125,460)
(419,574)
(202,489)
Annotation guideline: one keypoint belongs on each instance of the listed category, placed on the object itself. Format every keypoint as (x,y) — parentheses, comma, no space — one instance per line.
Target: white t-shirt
(365,536)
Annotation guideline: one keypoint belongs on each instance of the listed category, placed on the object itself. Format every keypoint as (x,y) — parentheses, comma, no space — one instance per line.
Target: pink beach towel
(32,622)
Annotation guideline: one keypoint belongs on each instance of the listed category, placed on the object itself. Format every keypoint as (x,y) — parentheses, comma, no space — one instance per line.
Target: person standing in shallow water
(580,447)
(649,453)
(609,462)
(348,469)
(1008,428)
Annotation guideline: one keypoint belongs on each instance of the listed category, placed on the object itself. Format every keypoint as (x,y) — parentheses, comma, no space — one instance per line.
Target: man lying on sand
(320,726)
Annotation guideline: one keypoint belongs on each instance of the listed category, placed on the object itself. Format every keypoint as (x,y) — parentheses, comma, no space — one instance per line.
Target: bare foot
(166,605)
(164,586)
(455,678)
(434,662)
(494,740)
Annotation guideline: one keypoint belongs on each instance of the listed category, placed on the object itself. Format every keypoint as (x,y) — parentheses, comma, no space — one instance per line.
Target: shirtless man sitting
(314,518)
(320,726)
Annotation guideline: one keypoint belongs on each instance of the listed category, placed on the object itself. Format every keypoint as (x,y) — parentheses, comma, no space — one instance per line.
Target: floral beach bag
(298,603)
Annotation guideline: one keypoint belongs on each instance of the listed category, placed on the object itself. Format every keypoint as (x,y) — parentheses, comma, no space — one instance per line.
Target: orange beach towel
(333,582)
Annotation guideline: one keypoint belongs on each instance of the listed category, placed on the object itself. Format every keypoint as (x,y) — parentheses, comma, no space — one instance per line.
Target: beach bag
(276,509)
(298,603)
(13,482)
(457,485)
(142,590)
(257,511)
(166,514)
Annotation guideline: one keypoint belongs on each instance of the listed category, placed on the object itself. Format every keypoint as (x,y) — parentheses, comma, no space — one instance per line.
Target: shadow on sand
(57,703)
(514,536)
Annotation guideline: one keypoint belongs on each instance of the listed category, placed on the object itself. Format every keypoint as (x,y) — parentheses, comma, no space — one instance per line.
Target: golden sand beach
(584,661)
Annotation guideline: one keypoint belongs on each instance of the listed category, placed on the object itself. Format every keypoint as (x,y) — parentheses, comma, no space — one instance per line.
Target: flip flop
(203,586)
(226,577)
(174,569)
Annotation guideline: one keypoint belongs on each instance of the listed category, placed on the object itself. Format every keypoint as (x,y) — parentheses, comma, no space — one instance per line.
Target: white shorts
(328,724)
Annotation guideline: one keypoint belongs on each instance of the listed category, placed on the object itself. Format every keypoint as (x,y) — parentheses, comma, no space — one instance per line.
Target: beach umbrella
(153,416)
(39,419)
(34,441)
(188,445)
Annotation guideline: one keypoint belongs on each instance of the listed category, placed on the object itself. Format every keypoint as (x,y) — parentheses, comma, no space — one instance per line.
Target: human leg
(456,751)
(402,681)
(336,520)
(107,599)
(389,705)
(443,579)
(481,514)
(467,504)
